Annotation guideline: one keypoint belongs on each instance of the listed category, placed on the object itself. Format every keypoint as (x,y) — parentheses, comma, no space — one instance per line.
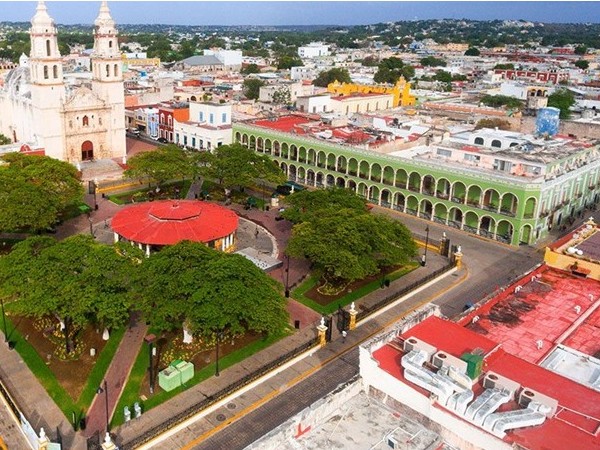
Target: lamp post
(89,217)
(100,390)
(4,321)
(219,337)
(150,341)
(424,259)
(287,277)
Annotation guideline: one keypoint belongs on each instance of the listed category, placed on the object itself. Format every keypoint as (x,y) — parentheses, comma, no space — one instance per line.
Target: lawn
(141,195)
(44,373)
(301,293)
(138,379)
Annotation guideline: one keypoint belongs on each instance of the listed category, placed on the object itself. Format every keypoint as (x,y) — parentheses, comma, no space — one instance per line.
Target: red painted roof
(577,419)
(286,123)
(167,222)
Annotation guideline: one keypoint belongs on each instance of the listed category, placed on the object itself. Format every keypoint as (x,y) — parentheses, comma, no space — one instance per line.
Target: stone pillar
(148,250)
(43,441)
(322,329)
(458,257)
(353,312)
(116,237)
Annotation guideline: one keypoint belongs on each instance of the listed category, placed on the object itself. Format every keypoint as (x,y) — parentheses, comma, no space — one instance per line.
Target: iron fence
(219,395)
(368,310)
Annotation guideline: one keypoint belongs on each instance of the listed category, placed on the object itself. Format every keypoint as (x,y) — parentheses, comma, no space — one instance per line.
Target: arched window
(108,70)
(45,72)
(478,141)
(47,47)
(116,70)
(109,44)
(55,71)
(85,121)
(496,143)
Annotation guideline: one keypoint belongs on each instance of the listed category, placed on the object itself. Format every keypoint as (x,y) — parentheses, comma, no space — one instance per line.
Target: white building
(209,126)
(300,73)
(71,123)
(295,89)
(313,50)
(231,59)
(314,103)
(535,96)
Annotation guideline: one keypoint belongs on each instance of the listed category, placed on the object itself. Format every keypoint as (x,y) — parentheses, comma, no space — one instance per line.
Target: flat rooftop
(574,425)
(364,423)
(531,317)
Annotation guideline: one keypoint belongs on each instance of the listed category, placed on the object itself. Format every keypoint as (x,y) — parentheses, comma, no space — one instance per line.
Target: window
(108,70)
(116,70)
(194,142)
(184,140)
(201,117)
(109,44)
(443,152)
(55,71)
(502,165)
(85,121)
(496,143)
(478,141)
(472,158)
(211,118)
(177,138)
(224,118)
(48,47)
(45,72)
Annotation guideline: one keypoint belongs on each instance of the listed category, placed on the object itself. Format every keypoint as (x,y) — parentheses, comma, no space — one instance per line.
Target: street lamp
(287,277)
(100,390)
(150,341)
(4,322)
(89,217)
(424,259)
(219,337)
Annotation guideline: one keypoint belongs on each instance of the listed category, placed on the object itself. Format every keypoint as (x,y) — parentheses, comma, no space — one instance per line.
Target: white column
(147,249)
(116,237)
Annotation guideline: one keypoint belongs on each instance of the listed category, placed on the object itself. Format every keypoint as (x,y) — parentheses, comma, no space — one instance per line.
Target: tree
(4,140)
(327,77)
(508,66)
(497,101)
(77,280)
(34,190)
(391,69)
(581,50)
(208,290)
(348,244)
(443,76)
(472,51)
(287,62)
(235,165)
(163,164)
(432,61)
(303,205)
(582,64)
(562,99)
(251,88)
(282,96)
(249,69)
(493,123)
(370,61)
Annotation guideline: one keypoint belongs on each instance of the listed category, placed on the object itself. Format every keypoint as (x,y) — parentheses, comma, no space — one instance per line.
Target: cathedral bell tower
(107,77)
(47,83)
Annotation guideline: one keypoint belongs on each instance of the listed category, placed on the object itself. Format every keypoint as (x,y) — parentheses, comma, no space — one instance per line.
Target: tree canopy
(208,290)
(432,61)
(329,76)
(391,69)
(562,99)
(4,140)
(251,88)
(336,232)
(582,64)
(250,68)
(287,62)
(163,164)
(472,51)
(497,101)
(77,280)
(237,166)
(34,190)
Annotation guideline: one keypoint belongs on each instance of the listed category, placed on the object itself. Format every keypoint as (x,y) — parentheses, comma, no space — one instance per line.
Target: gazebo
(153,225)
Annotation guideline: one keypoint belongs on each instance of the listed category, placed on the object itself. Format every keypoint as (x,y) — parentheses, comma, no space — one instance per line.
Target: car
(162,140)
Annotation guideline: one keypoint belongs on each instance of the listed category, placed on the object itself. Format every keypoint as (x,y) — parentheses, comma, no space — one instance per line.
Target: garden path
(116,377)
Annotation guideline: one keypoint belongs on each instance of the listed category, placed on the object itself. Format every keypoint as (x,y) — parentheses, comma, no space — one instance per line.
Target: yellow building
(400,91)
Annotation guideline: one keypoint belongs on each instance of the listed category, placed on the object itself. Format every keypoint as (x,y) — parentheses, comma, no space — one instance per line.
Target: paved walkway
(116,377)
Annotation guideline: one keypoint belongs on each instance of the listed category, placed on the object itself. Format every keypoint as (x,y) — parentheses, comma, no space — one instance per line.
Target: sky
(302,13)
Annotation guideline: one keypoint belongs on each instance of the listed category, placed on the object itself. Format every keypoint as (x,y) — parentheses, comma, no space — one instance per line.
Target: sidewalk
(116,378)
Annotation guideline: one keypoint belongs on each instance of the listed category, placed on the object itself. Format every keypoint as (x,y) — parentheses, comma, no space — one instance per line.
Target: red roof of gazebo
(168,222)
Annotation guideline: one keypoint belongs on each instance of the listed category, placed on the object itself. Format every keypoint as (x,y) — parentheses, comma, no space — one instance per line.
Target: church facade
(70,122)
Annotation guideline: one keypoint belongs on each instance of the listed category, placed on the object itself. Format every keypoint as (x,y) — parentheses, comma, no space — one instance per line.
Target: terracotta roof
(168,222)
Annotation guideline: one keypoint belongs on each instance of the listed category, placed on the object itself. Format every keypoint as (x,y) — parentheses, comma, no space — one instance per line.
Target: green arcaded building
(498,184)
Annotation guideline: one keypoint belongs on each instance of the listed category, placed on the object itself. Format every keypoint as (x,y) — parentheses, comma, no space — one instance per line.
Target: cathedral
(73,122)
